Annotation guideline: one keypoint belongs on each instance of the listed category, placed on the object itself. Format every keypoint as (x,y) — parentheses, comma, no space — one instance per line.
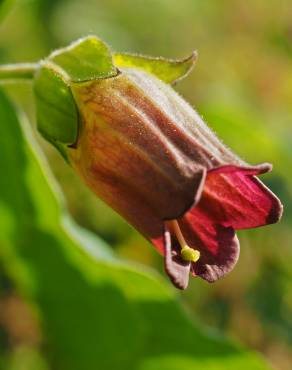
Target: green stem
(13,72)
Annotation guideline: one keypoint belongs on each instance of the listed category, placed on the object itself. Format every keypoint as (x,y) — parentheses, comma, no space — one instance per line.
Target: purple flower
(144,151)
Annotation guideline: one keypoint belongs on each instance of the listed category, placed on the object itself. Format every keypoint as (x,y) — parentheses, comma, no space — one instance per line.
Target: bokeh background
(241,85)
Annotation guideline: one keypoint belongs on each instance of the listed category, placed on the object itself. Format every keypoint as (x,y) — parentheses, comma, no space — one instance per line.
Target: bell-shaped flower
(143,150)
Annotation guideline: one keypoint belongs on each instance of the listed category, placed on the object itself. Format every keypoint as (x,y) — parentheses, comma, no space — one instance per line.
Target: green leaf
(57,116)
(96,312)
(167,70)
(84,60)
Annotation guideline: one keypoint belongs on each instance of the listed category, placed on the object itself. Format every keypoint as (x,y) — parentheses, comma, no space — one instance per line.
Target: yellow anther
(187,253)
(190,254)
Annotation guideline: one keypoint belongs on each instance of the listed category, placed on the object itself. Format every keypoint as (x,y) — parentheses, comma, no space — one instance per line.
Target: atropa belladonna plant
(143,150)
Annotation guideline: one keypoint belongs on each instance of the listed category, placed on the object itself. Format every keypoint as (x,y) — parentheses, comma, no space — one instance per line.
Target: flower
(144,151)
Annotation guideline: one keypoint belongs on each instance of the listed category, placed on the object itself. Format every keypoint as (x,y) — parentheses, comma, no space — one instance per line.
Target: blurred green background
(242,86)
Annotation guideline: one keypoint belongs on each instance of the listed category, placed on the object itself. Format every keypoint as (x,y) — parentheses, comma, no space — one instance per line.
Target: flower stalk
(15,72)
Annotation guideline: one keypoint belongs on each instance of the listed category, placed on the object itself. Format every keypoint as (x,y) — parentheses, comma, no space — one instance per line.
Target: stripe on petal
(233,197)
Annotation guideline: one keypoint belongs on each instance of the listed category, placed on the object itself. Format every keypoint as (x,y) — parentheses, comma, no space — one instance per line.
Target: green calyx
(87,59)
(57,115)
(167,70)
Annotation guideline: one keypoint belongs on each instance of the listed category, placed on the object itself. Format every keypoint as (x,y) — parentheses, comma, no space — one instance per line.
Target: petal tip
(177,280)
(222,264)
(264,168)
(276,212)
(177,269)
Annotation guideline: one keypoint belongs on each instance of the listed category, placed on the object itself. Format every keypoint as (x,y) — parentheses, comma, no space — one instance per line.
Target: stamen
(187,253)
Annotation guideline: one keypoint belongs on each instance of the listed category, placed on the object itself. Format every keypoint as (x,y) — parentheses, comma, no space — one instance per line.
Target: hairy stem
(14,72)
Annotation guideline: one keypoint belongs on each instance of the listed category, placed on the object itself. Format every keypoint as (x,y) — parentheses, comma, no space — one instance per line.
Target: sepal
(86,59)
(57,115)
(167,70)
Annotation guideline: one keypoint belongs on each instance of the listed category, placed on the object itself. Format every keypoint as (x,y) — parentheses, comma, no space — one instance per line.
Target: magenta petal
(258,169)
(234,197)
(177,269)
(218,245)
(213,266)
